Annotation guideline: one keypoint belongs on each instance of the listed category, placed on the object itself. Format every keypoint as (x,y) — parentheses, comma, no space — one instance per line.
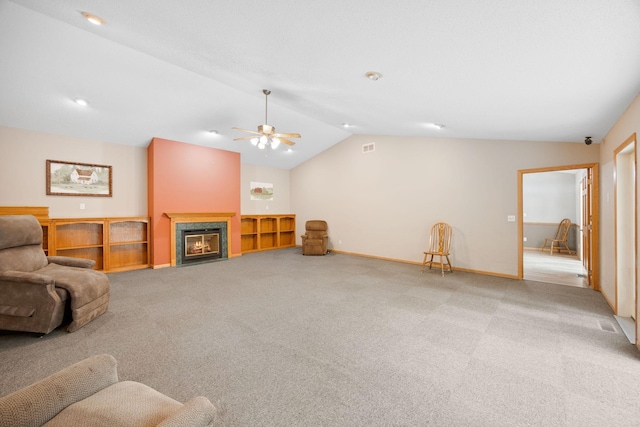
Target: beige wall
(383,203)
(626,126)
(23,177)
(281,197)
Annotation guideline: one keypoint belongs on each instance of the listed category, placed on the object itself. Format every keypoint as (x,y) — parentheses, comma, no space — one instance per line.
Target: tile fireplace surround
(195,220)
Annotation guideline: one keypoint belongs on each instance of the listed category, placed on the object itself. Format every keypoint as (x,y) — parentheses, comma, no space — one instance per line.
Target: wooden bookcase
(249,233)
(128,246)
(78,238)
(115,244)
(264,232)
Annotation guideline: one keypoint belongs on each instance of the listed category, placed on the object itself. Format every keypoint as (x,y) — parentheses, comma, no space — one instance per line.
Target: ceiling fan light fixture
(266,134)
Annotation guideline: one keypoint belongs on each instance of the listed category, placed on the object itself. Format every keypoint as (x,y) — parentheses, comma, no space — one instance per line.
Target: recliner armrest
(25,277)
(71,262)
(198,412)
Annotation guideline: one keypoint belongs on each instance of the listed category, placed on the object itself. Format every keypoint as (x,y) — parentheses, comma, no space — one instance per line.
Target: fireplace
(200,245)
(199,237)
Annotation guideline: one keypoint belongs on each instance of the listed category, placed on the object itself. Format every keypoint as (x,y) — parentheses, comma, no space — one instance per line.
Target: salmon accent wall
(190,178)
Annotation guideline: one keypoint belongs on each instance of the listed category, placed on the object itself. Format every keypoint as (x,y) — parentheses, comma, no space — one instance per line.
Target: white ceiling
(538,70)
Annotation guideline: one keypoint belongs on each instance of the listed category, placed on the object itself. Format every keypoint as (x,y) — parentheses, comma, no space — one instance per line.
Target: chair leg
(424,261)
(428,259)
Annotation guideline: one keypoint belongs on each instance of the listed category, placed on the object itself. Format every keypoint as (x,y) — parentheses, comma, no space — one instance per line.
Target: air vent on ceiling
(367,148)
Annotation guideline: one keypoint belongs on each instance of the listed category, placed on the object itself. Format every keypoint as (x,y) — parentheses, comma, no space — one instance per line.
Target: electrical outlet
(339,242)
(525,239)
(511,218)
(81,205)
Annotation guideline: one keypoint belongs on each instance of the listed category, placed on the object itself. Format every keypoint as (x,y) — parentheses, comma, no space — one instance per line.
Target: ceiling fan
(266,135)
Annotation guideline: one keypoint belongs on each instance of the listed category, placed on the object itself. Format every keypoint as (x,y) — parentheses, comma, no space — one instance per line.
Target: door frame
(595,217)
(616,152)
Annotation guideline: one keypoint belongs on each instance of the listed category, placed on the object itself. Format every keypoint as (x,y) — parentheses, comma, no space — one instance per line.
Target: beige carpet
(280,339)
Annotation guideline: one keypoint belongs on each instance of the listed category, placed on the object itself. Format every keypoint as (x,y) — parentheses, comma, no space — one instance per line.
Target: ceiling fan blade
(244,138)
(286,141)
(245,130)
(287,135)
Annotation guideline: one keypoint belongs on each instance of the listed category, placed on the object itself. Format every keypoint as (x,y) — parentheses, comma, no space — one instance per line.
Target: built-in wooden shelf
(265,232)
(128,243)
(115,244)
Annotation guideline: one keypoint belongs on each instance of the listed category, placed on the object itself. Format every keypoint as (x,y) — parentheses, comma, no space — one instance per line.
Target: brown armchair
(314,240)
(37,291)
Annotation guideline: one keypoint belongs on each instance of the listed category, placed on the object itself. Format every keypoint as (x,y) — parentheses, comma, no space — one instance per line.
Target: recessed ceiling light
(435,125)
(373,75)
(95,20)
(213,132)
(290,150)
(346,125)
(81,101)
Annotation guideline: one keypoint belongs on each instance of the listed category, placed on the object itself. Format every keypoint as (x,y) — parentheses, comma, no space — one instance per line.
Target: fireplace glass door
(202,244)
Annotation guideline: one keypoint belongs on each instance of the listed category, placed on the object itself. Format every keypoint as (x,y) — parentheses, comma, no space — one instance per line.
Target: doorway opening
(545,197)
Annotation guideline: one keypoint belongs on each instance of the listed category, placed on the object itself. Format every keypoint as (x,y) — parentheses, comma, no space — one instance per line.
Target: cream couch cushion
(124,404)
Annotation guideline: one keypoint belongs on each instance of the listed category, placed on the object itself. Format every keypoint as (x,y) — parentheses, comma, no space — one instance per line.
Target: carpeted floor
(280,339)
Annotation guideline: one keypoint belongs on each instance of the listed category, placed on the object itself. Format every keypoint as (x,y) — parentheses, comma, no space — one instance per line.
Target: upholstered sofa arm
(40,402)
(71,262)
(198,412)
(25,277)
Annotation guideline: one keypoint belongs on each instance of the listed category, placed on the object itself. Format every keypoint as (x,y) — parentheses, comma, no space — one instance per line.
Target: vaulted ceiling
(543,70)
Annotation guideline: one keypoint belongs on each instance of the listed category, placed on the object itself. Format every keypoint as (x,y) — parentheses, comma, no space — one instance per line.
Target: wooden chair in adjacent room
(439,245)
(560,239)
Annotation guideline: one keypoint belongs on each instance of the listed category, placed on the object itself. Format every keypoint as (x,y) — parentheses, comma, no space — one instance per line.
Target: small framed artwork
(78,179)
(261,191)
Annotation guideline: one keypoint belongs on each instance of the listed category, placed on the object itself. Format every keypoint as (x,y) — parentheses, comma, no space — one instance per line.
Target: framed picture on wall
(78,179)
(261,191)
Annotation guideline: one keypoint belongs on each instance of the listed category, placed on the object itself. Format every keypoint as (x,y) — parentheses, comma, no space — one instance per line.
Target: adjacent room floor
(561,269)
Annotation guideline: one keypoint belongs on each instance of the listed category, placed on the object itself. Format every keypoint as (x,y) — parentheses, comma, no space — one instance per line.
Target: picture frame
(261,191)
(79,179)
